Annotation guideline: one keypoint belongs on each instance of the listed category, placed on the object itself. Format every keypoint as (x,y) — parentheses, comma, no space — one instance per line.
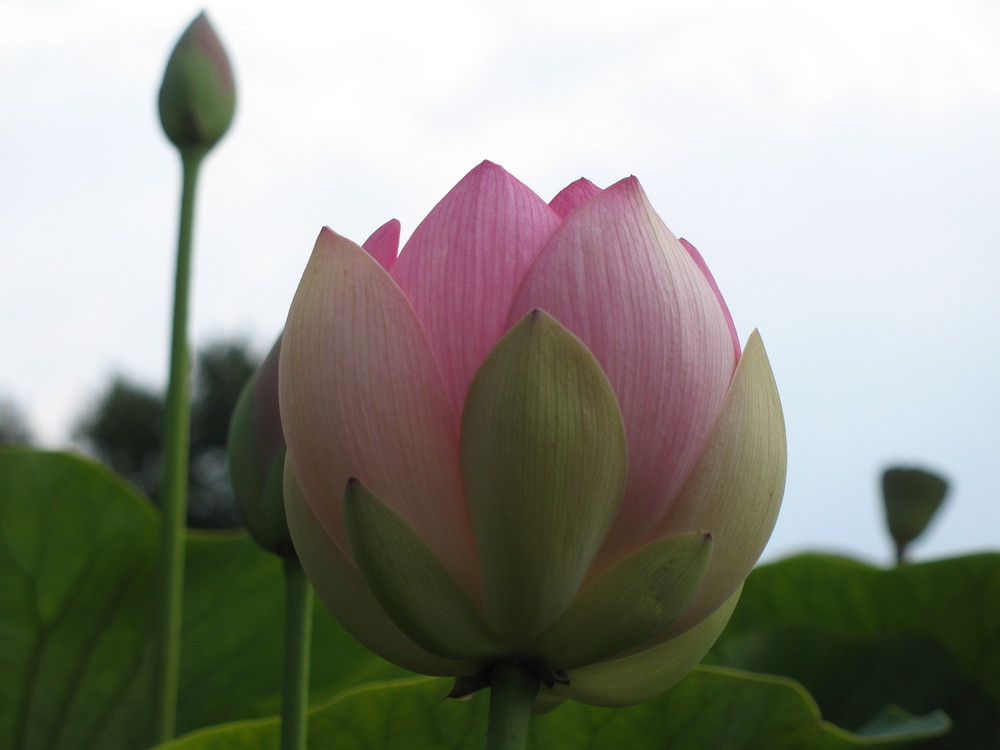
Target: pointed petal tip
(630,184)
(755,341)
(626,191)
(533,316)
(328,241)
(574,195)
(383,244)
(487,166)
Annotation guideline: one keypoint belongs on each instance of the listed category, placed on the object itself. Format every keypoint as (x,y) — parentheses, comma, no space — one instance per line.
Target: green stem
(176,441)
(298,640)
(512,697)
(900,554)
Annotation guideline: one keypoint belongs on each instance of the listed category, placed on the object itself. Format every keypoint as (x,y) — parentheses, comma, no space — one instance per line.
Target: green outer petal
(640,676)
(410,583)
(544,462)
(632,601)
(734,491)
(342,588)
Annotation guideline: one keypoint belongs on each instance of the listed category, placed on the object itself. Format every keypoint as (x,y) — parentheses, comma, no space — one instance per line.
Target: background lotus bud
(197,96)
(257,458)
(531,436)
(912,498)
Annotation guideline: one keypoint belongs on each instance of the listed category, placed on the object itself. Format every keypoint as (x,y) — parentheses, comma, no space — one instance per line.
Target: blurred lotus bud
(198,96)
(912,497)
(257,459)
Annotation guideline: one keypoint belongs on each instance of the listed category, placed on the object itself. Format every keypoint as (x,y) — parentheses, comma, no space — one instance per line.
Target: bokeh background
(837,164)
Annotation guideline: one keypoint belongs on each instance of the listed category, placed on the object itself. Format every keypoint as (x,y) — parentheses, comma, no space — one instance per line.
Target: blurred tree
(14,428)
(125,429)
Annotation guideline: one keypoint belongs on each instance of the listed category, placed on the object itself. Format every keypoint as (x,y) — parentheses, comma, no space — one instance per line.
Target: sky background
(837,164)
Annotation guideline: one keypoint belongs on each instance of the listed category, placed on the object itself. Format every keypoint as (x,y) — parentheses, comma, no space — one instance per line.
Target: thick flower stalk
(531,438)
(256,468)
(197,100)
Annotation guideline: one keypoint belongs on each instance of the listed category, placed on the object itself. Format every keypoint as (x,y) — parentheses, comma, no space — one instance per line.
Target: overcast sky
(837,164)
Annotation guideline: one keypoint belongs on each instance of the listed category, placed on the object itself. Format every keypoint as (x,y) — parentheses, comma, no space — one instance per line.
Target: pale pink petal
(361,396)
(734,491)
(715,288)
(573,196)
(614,275)
(464,262)
(383,245)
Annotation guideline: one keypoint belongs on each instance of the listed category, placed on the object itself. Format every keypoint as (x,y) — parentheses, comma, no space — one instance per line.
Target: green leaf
(711,708)
(77,561)
(922,637)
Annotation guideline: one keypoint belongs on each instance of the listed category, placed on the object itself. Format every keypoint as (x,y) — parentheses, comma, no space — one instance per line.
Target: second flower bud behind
(257,459)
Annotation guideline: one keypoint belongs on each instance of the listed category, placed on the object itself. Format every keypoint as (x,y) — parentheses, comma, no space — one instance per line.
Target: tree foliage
(14,429)
(124,429)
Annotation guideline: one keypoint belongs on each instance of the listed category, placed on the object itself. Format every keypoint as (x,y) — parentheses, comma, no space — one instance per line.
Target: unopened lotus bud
(198,95)
(531,437)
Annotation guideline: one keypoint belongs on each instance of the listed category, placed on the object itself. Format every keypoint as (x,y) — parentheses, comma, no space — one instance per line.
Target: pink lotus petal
(464,262)
(614,275)
(383,245)
(715,288)
(573,196)
(361,396)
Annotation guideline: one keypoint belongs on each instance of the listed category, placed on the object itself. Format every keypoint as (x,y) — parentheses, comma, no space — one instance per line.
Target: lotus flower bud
(257,458)
(912,498)
(197,96)
(531,436)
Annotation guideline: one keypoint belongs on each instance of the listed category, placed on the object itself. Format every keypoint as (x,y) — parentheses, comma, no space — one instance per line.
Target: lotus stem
(513,689)
(298,642)
(176,442)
